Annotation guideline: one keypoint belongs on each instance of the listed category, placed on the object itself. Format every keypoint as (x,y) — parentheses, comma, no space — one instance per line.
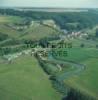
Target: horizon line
(49,7)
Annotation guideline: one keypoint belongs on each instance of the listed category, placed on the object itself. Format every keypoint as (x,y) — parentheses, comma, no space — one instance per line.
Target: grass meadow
(24,79)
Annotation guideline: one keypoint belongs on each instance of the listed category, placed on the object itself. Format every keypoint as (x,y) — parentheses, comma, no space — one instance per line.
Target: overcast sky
(50,3)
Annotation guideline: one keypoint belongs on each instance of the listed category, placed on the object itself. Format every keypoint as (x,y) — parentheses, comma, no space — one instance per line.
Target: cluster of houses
(52,24)
(73,35)
(78,35)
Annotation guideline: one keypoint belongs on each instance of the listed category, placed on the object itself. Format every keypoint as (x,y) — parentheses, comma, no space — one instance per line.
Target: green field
(87,81)
(36,31)
(9,19)
(24,79)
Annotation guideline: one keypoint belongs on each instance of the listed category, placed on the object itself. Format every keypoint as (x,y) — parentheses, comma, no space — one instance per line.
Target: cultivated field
(24,79)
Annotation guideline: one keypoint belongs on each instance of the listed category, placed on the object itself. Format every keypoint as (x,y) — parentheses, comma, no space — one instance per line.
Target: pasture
(33,31)
(86,81)
(24,79)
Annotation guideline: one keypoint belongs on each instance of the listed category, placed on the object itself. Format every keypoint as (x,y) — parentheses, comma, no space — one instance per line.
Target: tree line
(66,20)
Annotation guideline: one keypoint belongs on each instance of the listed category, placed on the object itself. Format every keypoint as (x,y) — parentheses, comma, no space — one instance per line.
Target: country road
(65,75)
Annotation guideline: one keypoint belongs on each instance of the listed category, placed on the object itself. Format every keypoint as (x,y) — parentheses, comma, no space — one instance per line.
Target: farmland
(35,31)
(35,76)
(87,81)
(25,80)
